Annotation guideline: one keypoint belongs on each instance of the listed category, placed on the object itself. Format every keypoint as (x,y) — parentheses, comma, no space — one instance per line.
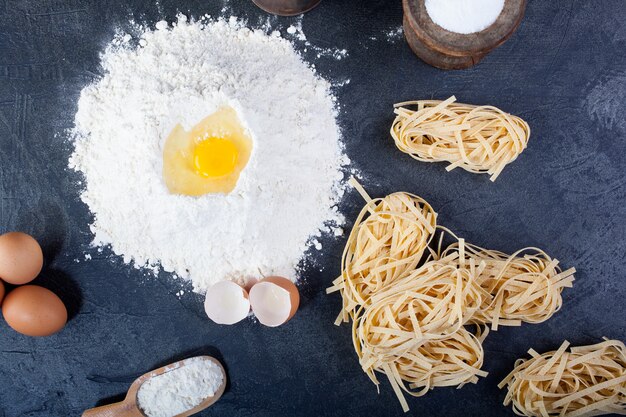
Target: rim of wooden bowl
(457,44)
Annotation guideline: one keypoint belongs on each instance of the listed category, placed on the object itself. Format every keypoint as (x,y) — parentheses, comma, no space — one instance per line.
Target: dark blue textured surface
(564,71)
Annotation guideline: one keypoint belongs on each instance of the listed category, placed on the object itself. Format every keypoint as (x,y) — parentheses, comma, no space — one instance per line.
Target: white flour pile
(180,389)
(464,16)
(286,195)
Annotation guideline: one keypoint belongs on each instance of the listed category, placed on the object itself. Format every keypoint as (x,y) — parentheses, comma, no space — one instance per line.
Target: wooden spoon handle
(122,409)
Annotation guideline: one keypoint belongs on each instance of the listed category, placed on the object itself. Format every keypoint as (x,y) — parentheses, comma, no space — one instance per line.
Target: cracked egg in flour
(209,158)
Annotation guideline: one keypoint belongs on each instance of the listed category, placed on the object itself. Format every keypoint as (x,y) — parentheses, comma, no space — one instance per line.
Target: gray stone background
(564,71)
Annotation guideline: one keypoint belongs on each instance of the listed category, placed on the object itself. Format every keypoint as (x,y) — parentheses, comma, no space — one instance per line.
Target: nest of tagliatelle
(420,309)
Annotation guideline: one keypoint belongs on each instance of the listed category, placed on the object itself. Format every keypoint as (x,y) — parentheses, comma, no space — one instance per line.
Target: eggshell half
(226,303)
(274,300)
(34,311)
(21,258)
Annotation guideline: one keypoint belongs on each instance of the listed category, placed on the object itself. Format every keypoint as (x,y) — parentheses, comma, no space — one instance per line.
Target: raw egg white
(21,258)
(34,311)
(209,158)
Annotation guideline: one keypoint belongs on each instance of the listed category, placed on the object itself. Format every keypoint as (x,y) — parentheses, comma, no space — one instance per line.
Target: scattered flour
(180,389)
(605,101)
(391,36)
(286,195)
(295,31)
(394,35)
(464,16)
(338,54)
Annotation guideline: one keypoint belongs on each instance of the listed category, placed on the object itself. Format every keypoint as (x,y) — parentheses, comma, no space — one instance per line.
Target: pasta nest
(413,330)
(478,139)
(389,237)
(429,303)
(584,381)
(523,287)
(411,322)
(453,361)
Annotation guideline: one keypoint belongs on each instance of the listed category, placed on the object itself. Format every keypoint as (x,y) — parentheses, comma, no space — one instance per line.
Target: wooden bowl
(286,7)
(449,50)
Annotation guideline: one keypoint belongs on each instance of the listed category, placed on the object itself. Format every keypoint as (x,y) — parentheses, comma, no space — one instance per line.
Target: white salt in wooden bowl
(444,49)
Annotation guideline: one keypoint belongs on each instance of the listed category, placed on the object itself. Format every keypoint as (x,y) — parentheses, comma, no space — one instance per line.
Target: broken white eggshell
(274,300)
(226,303)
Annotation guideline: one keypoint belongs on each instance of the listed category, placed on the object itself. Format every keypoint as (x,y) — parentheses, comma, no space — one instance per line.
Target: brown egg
(34,311)
(1,292)
(21,258)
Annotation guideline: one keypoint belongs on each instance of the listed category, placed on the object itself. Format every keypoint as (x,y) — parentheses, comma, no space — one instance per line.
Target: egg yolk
(215,157)
(209,158)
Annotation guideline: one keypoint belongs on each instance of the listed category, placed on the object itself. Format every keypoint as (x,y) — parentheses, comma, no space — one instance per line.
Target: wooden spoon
(130,408)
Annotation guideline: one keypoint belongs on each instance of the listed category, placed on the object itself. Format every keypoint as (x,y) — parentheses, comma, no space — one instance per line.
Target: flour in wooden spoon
(286,195)
(179,389)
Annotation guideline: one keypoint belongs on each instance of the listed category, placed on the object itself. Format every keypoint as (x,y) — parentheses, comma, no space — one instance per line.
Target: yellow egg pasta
(430,303)
(478,139)
(450,362)
(582,381)
(413,330)
(412,305)
(523,287)
(389,237)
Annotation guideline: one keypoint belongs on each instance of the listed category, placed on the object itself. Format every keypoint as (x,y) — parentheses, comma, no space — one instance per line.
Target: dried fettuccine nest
(412,304)
(450,362)
(389,237)
(524,287)
(413,330)
(478,139)
(584,381)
